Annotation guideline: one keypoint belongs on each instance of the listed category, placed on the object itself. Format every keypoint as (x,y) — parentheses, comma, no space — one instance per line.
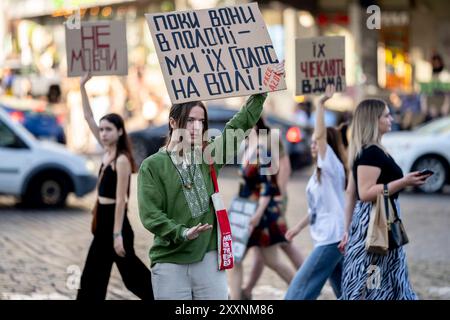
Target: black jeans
(101,256)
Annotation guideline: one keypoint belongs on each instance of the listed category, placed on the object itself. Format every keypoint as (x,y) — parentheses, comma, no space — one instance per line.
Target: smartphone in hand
(426,172)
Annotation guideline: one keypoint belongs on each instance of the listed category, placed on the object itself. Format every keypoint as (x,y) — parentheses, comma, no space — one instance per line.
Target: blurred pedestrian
(325,196)
(372,168)
(267,225)
(303,113)
(291,251)
(395,104)
(113,236)
(7,82)
(437,63)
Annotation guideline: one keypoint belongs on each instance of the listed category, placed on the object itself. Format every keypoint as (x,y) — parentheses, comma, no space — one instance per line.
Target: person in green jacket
(174,198)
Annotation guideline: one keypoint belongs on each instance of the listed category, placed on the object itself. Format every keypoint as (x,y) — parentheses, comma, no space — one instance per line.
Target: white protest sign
(239,214)
(215,53)
(99,47)
(319,61)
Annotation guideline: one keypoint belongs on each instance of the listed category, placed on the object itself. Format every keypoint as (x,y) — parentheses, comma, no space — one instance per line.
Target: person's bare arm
(320,130)
(87,108)
(295,230)
(350,201)
(284,173)
(123,169)
(368,188)
(263,202)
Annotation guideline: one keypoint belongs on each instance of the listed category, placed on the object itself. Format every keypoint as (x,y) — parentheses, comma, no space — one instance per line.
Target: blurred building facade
(394,58)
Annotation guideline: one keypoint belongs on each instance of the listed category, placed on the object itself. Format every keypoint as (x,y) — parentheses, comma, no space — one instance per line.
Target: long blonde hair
(364,129)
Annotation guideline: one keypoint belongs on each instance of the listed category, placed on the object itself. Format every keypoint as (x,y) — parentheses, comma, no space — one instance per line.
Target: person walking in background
(372,168)
(267,225)
(303,113)
(113,236)
(291,251)
(325,196)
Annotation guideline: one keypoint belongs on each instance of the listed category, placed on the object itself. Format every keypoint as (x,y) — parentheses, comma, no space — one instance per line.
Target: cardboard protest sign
(240,213)
(319,61)
(215,53)
(99,47)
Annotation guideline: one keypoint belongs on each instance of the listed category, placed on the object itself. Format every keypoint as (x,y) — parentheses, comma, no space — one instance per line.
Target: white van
(40,173)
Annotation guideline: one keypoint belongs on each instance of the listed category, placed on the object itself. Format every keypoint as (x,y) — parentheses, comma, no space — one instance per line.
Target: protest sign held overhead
(99,47)
(319,61)
(215,53)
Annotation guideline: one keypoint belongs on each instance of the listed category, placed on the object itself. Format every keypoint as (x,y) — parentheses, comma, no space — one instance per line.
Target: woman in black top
(365,275)
(113,236)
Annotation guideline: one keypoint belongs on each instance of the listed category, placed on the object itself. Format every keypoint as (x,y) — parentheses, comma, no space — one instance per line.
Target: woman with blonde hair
(372,168)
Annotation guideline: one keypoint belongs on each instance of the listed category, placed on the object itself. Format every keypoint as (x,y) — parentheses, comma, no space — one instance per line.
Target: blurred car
(426,147)
(41,173)
(35,117)
(29,76)
(296,140)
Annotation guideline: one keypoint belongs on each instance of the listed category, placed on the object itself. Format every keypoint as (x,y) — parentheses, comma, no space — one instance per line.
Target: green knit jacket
(163,208)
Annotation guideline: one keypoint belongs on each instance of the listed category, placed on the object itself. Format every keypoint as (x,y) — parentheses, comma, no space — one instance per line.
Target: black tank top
(108,184)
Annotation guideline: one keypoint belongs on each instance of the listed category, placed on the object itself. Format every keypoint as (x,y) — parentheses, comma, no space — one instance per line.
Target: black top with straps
(107,186)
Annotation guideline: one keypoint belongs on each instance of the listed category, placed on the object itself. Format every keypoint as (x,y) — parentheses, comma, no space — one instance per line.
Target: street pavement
(42,252)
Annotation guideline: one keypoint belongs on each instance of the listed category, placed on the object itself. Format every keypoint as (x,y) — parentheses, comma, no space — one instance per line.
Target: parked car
(41,173)
(426,147)
(295,139)
(35,116)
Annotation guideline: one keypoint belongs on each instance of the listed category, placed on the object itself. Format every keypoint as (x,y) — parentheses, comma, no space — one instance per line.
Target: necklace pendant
(188,186)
